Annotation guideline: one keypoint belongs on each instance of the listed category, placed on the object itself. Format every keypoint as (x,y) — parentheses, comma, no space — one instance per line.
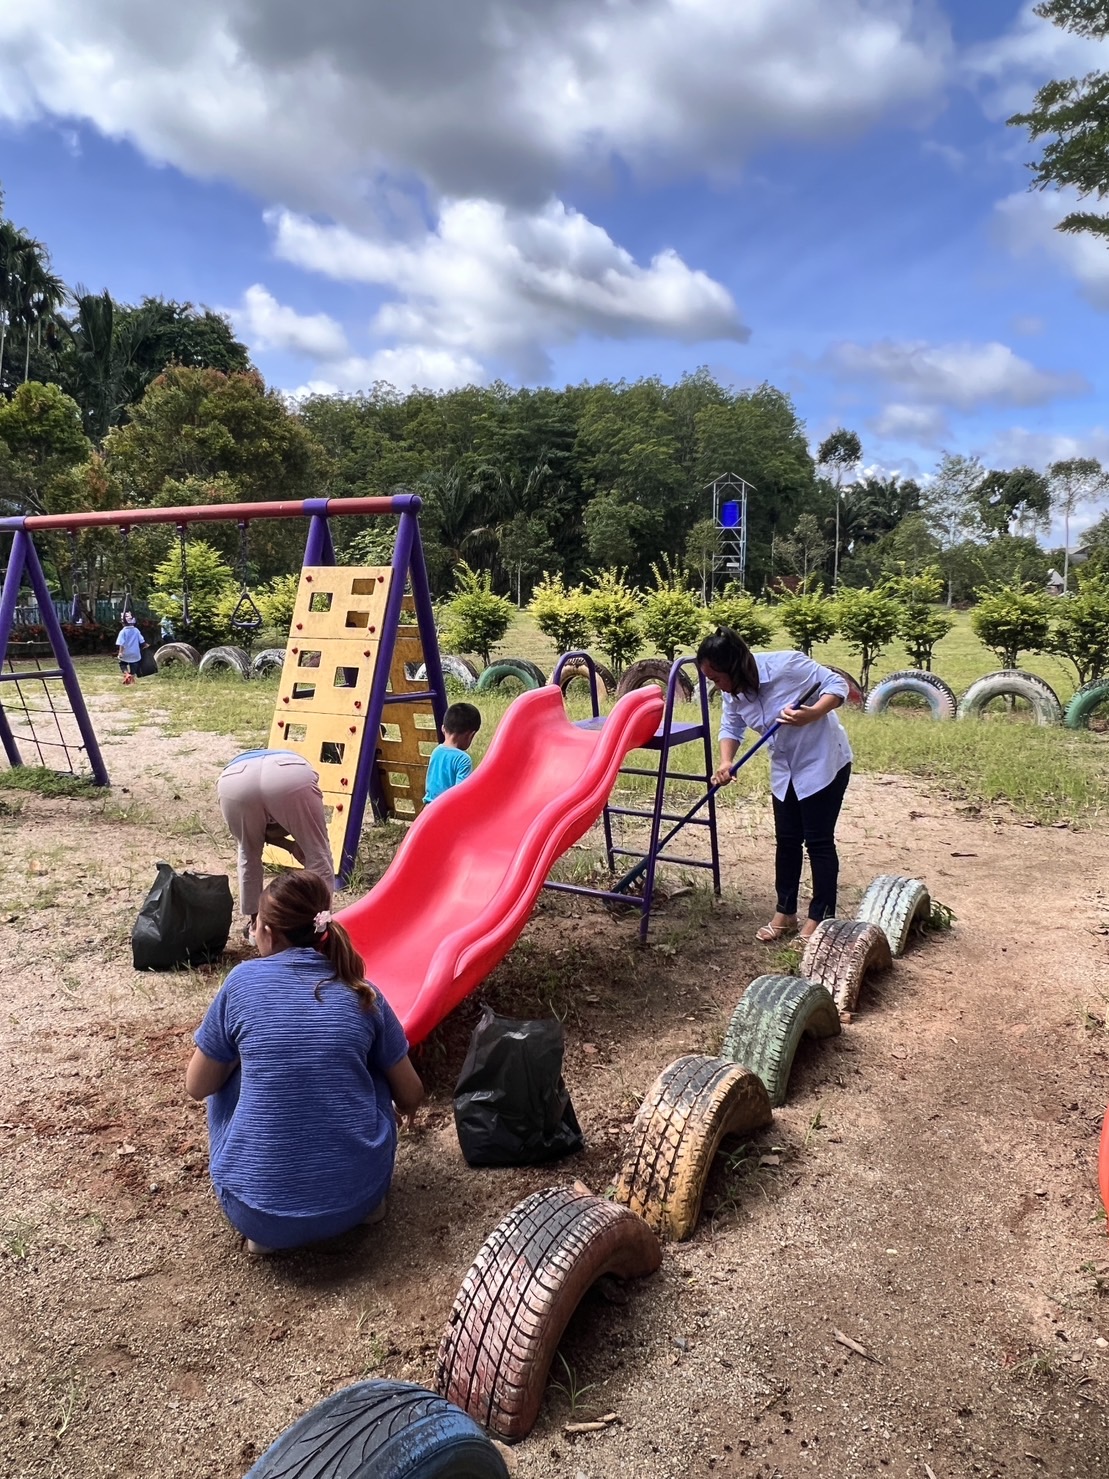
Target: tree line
(108,405)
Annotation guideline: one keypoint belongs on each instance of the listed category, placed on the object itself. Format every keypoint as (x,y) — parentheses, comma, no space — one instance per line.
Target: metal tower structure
(729,516)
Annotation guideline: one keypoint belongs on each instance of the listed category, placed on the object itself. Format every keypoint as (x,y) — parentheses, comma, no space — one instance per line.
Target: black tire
(230,659)
(496,673)
(382,1430)
(576,669)
(940,699)
(1089,697)
(269,660)
(855,696)
(1011,682)
(516,1300)
(170,653)
(650,670)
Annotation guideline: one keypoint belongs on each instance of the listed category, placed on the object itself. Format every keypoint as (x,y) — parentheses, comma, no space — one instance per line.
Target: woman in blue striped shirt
(302,1062)
(810,763)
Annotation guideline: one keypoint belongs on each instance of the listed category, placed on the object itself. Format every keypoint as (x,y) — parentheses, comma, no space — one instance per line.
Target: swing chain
(128,603)
(74,577)
(182,540)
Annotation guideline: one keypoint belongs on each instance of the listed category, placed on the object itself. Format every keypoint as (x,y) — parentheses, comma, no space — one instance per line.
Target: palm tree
(104,374)
(13,244)
(38,295)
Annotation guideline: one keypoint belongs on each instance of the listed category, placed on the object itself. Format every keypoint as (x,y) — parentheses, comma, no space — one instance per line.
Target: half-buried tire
(515,1302)
(171,653)
(576,669)
(767,1026)
(1012,683)
(652,670)
(382,1430)
(841,953)
(500,672)
(940,699)
(690,1108)
(855,696)
(895,904)
(1089,698)
(269,660)
(226,659)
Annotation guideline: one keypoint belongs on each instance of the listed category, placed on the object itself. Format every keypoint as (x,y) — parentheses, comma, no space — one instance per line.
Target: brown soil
(929,1190)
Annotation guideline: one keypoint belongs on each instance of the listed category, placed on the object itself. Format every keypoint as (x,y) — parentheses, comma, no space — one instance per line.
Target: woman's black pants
(811,824)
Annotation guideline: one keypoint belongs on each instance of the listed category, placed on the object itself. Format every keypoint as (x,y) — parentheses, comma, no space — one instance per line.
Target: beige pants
(270,798)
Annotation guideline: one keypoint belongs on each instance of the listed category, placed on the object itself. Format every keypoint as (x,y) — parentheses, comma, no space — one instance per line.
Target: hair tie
(321,921)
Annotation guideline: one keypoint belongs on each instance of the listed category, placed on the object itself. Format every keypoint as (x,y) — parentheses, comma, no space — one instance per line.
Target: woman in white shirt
(810,762)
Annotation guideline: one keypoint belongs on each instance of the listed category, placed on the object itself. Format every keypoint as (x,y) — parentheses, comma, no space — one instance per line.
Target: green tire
(1089,697)
(767,1026)
(496,673)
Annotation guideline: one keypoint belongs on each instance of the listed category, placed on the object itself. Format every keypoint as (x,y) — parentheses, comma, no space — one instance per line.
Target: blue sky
(819,193)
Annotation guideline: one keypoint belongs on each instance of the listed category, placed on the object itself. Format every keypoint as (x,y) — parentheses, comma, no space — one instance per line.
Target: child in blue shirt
(129,646)
(449,761)
(301,1061)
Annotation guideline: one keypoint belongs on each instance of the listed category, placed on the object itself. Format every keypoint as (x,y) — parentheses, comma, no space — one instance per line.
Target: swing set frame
(409,569)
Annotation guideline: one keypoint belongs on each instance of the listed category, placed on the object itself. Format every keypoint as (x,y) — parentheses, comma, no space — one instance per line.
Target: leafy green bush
(614,609)
(808,617)
(474,619)
(561,615)
(277,601)
(672,615)
(921,625)
(868,621)
(734,608)
(211,594)
(1080,629)
(1010,620)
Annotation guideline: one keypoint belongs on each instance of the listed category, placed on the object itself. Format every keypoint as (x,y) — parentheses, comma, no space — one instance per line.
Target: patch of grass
(48,782)
(571,1388)
(17,1237)
(940,919)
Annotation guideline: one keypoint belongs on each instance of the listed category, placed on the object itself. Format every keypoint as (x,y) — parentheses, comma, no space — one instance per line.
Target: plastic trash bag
(147,665)
(185,920)
(511,1107)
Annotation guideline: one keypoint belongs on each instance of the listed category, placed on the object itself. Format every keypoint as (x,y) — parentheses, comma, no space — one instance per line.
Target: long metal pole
(9,596)
(65,663)
(211,513)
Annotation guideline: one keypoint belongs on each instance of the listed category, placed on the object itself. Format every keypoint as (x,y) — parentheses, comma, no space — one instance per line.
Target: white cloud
(1026,222)
(1016,446)
(493,98)
(264,323)
(955,159)
(927,426)
(494,282)
(962,376)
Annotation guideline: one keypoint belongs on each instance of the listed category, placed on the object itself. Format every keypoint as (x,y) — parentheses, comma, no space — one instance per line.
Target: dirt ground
(929,1190)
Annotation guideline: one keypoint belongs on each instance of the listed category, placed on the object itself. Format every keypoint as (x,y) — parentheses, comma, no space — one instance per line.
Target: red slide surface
(458,893)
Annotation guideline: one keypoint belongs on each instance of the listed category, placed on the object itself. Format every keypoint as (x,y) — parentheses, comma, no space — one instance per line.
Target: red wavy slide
(459,891)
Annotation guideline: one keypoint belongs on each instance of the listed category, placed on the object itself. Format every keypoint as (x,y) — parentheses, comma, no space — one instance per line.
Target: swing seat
(246,617)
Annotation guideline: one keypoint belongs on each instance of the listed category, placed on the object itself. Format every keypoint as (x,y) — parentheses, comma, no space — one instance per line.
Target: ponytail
(298,907)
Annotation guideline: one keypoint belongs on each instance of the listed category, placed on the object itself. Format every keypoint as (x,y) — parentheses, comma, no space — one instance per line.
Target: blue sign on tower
(729,516)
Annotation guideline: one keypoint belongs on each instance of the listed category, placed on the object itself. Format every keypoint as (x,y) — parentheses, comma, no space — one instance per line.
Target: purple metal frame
(408,566)
(669,736)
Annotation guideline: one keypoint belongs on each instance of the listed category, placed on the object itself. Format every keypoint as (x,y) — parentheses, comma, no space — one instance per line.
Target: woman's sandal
(771,932)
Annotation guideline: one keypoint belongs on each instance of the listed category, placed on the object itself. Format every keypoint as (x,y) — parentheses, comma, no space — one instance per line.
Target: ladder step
(663,857)
(670,775)
(667,816)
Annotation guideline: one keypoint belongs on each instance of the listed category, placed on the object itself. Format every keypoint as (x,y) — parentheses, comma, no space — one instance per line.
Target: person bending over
(449,761)
(273,796)
(810,763)
(301,1061)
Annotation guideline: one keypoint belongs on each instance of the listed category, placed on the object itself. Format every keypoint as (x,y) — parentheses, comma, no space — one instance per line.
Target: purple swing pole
(9,597)
(65,663)
(318,549)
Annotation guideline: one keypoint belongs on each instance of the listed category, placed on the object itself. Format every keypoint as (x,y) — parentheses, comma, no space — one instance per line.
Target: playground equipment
(895,904)
(841,953)
(690,1108)
(774,1014)
(517,1298)
(940,699)
(362,771)
(382,1430)
(1012,683)
(669,735)
(472,864)
(1085,702)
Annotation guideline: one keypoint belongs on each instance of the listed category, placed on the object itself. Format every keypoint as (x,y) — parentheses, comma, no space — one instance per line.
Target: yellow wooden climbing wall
(333,651)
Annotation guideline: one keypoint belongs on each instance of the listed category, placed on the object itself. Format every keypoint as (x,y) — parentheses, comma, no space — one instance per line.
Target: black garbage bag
(511,1107)
(185,920)
(147,664)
